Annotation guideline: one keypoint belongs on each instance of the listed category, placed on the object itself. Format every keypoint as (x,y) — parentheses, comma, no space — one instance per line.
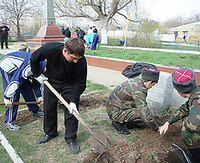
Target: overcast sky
(162,10)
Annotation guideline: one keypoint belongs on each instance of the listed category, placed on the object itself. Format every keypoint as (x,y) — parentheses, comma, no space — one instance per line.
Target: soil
(145,145)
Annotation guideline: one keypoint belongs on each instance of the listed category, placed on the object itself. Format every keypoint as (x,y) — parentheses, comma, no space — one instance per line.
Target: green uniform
(190,113)
(128,102)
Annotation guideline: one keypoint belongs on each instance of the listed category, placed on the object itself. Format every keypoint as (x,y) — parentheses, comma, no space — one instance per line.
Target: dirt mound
(151,148)
(93,101)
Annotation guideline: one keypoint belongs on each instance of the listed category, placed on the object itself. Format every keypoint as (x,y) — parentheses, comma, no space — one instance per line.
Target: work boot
(74,147)
(11,126)
(38,114)
(135,124)
(121,128)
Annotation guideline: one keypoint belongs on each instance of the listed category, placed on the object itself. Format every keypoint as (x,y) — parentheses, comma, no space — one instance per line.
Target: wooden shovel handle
(21,103)
(68,107)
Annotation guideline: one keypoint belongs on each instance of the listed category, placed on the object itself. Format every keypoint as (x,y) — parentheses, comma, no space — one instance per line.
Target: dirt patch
(93,101)
(148,147)
(142,145)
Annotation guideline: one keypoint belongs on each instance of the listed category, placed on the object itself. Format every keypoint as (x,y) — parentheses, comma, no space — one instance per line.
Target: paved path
(12,48)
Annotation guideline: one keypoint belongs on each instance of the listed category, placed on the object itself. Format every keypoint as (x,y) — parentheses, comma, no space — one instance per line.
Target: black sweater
(59,70)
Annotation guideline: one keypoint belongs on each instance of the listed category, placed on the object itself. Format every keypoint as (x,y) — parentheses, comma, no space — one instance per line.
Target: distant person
(80,33)
(92,39)
(4,35)
(75,34)
(95,40)
(62,29)
(121,42)
(184,81)
(90,30)
(127,105)
(16,76)
(67,32)
(184,38)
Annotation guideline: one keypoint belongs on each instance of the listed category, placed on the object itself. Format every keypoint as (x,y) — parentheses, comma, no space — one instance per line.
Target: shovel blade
(101,143)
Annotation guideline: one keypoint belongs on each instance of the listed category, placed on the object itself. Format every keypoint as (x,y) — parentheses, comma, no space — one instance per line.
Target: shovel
(97,140)
(21,103)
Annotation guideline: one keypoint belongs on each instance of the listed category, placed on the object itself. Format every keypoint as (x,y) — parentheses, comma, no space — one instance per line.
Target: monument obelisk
(49,32)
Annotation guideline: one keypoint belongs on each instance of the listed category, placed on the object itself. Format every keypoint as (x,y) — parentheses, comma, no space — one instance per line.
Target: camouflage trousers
(192,140)
(119,115)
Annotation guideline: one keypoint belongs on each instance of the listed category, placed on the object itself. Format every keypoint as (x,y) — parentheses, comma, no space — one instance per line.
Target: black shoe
(45,139)
(135,124)
(74,147)
(121,128)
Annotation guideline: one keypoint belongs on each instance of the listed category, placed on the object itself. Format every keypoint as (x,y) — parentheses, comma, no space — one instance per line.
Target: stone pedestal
(44,35)
(160,95)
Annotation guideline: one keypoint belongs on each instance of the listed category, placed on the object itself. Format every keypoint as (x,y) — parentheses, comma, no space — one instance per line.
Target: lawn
(156,57)
(92,109)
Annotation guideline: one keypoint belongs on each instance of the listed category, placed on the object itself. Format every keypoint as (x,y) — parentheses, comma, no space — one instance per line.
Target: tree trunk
(104,32)
(19,38)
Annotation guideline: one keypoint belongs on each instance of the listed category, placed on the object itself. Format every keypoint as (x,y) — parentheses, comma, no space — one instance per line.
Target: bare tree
(15,10)
(177,21)
(95,10)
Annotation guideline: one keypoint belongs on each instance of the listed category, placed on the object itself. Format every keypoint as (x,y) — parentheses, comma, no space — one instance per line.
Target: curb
(120,65)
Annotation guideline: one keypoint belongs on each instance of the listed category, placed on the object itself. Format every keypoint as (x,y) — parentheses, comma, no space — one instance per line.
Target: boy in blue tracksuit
(16,75)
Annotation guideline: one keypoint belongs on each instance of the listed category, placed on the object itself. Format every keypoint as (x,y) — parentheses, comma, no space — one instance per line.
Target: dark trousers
(25,89)
(4,39)
(50,112)
(195,154)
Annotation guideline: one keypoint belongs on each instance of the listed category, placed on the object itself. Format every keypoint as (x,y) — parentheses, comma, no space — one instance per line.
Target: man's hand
(7,102)
(41,78)
(40,100)
(73,108)
(164,128)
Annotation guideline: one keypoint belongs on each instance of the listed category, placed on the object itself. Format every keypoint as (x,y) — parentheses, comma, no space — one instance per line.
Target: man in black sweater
(66,71)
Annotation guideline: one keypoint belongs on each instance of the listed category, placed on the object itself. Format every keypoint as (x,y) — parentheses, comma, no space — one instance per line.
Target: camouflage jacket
(190,113)
(131,94)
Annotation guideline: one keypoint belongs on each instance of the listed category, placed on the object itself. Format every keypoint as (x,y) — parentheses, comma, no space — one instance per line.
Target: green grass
(92,87)
(156,57)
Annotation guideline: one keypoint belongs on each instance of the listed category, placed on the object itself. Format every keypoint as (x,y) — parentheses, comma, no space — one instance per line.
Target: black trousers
(195,152)
(50,112)
(4,39)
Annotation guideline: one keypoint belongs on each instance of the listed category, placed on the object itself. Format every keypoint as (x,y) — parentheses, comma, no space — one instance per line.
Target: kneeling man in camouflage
(127,105)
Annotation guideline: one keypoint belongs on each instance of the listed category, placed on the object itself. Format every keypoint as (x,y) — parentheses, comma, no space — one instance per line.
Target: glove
(72,107)
(7,102)
(40,100)
(41,78)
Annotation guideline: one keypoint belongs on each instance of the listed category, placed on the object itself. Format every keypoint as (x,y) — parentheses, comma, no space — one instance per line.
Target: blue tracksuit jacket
(15,69)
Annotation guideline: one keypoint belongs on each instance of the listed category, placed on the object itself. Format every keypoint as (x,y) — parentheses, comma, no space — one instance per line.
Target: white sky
(162,10)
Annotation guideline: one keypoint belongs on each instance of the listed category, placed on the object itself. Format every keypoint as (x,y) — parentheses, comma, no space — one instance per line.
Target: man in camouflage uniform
(184,82)
(127,102)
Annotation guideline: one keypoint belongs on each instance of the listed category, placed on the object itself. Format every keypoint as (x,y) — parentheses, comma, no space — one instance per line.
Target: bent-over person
(66,71)
(16,75)
(127,105)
